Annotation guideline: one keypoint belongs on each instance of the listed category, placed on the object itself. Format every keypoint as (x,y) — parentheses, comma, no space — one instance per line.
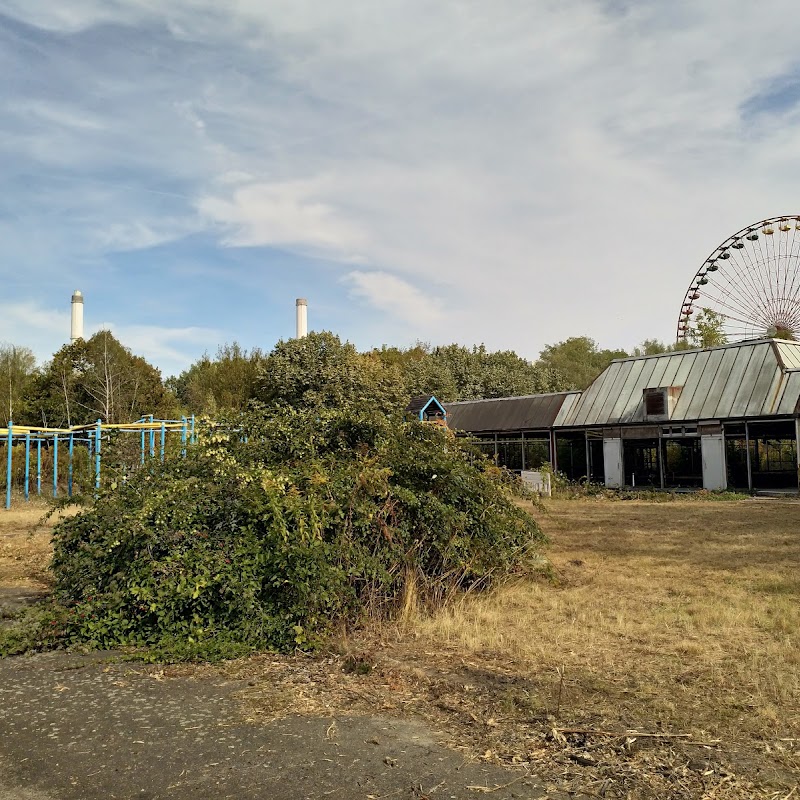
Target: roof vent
(659,403)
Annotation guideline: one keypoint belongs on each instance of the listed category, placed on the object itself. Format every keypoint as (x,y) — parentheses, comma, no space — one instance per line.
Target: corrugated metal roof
(789,401)
(747,379)
(789,353)
(529,412)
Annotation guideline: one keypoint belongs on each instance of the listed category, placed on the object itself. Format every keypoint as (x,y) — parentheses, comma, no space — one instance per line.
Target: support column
(27,466)
(715,475)
(747,456)
(797,448)
(55,465)
(9,464)
(612,463)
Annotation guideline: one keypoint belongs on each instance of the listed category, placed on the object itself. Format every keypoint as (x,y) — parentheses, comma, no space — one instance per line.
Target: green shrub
(269,537)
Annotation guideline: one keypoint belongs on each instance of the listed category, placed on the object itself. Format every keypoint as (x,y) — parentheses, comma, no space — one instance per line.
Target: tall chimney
(76,327)
(302,317)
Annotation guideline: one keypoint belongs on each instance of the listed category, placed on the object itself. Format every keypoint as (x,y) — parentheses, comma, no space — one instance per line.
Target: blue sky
(513,172)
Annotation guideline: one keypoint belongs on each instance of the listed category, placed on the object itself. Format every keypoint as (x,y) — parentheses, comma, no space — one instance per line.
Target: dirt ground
(657,658)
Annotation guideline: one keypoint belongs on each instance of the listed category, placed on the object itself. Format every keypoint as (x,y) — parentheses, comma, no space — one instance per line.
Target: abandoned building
(724,417)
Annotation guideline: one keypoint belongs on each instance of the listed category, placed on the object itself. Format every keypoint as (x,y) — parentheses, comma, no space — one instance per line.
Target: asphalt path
(76,726)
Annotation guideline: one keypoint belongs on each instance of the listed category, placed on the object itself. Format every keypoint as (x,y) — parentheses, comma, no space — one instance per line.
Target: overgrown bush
(270,536)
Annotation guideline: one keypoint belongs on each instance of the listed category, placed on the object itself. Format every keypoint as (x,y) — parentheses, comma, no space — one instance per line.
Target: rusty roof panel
(530,412)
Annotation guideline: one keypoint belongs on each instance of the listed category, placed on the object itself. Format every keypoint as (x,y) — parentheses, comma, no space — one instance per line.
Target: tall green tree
(321,371)
(98,378)
(454,372)
(225,383)
(653,347)
(578,360)
(17,372)
(708,330)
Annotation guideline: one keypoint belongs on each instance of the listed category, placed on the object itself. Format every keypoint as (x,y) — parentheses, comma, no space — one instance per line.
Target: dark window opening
(571,454)
(655,402)
(537,453)
(597,464)
(683,463)
(641,462)
(772,451)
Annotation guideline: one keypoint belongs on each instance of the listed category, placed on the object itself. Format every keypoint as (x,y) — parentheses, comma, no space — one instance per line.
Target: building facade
(716,418)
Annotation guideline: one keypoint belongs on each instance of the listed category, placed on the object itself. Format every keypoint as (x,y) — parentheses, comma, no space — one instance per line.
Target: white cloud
(58,114)
(288,213)
(395,296)
(172,349)
(543,169)
(46,330)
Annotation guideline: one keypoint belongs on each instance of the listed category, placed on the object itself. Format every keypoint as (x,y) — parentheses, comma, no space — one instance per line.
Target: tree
(17,371)
(226,383)
(708,329)
(577,360)
(98,378)
(321,371)
(653,347)
(454,372)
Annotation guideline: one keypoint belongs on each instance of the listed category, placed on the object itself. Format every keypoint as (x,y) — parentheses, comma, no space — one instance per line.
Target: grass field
(677,617)
(658,658)
(25,547)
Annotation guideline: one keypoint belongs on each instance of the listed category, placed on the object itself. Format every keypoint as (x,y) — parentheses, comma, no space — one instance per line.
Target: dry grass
(666,618)
(25,548)
(680,617)
(686,611)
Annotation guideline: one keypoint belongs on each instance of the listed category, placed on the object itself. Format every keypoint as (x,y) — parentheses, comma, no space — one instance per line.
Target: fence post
(98,434)
(55,465)
(9,463)
(27,466)
(69,469)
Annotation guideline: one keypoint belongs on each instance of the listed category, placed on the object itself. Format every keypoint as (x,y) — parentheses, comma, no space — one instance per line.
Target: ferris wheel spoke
(755,273)
(749,317)
(744,276)
(793,291)
(763,261)
(734,301)
(752,280)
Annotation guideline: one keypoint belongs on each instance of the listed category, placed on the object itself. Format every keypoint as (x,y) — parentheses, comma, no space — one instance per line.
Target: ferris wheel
(751,283)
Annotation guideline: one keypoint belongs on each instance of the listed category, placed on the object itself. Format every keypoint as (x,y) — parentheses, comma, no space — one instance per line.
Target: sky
(510,173)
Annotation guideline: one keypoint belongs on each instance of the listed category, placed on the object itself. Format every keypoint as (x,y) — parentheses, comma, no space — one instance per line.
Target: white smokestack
(76,328)
(302,317)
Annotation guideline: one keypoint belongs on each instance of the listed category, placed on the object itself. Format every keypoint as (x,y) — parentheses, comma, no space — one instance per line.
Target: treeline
(100,378)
